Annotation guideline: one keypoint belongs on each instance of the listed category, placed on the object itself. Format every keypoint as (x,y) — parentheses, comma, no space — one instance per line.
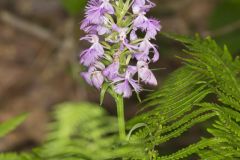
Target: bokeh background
(39,48)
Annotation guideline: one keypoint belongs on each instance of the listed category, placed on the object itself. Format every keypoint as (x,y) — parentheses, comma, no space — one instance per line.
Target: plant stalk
(121,119)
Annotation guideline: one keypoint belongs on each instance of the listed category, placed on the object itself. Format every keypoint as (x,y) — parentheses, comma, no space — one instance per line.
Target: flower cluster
(118,55)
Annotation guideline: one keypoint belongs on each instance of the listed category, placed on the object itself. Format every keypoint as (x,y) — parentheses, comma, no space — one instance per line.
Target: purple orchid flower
(106,5)
(151,26)
(91,29)
(119,45)
(111,72)
(146,74)
(95,12)
(133,35)
(91,55)
(140,20)
(105,27)
(144,47)
(94,77)
(101,29)
(142,6)
(124,89)
(127,83)
(123,38)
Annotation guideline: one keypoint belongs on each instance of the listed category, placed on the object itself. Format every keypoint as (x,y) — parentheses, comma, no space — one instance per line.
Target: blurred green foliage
(227,13)
(73,7)
(11,124)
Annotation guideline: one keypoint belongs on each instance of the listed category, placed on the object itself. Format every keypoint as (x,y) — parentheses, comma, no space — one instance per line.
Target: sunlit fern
(84,131)
(81,131)
(181,103)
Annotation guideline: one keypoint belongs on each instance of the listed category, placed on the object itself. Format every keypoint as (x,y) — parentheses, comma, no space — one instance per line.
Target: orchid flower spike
(117,54)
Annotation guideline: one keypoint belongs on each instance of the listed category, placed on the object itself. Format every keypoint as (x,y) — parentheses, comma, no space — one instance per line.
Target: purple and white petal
(133,35)
(136,86)
(145,47)
(90,56)
(153,27)
(142,57)
(124,89)
(87,77)
(111,71)
(140,21)
(146,74)
(102,30)
(131,71)
(130,47)
(155,54)
(142,6)
(97,79)
(107,6)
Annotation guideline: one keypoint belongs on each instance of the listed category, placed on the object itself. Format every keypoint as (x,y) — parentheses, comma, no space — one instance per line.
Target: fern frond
(180,104)
(15,156)
(194,148)
(186,119)
(218,65)
(84,131)
(179,93)
(183,128)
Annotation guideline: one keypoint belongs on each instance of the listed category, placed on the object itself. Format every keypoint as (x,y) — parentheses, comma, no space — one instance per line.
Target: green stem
(121,119)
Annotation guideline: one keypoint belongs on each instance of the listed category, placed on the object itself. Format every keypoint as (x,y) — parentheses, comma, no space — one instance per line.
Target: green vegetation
(205,89)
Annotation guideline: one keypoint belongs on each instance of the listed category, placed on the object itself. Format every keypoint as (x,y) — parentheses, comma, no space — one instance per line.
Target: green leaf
(136,126)
(104,89)
(11,124)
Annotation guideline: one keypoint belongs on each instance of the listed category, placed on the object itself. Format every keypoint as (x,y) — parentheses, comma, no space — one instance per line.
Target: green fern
(180,104)
(81,131)
(84,131)
(192,149)
(222,70)
(173,108)
(14,156)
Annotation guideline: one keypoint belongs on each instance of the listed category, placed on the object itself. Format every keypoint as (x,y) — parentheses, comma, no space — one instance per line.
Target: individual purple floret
(124,89)
(111,72)
(145,48)
(122,38)
(126,83)
(107,6)
(119,56)
(142,6)
(94,76)
(152,27)
(95,14)
(91,55)
(145,73)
